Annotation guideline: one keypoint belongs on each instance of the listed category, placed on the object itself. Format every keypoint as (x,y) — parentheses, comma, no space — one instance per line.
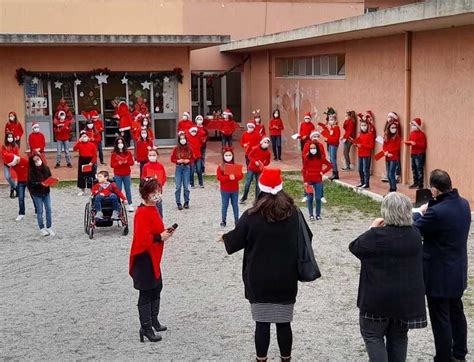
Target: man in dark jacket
(444,224)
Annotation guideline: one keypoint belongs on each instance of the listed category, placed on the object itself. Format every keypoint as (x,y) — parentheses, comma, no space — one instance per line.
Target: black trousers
(262,338)
(449,328)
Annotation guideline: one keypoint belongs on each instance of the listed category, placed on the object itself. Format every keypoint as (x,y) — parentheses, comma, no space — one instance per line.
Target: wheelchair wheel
(125,230)
(91,233)
(87,217)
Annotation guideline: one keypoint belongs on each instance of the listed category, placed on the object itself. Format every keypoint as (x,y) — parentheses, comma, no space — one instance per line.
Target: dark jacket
(36,176)
(269,265)
(391,274)
(445,229)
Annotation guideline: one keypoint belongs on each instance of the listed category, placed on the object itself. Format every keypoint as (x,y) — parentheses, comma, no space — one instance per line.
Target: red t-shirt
(21,169)
(62,130)
(332,135)
(107,189)
(249,140)
(15,128)
(305,130)
(142,148)
(86,149)
(366,144)
(313,167)
(227,127)
(392,146)
(154,168)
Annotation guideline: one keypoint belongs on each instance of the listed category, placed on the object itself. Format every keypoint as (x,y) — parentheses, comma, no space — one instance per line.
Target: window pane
(284,70)
(341,64)
(333,65)
(301,67)
(309,66)
(325,65)
(165,128)
(36,97)
(290,67)
(317,65)
(281,67)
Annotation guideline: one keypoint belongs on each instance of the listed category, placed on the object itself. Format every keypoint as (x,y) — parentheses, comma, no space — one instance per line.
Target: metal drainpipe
(407,113)
(270,82)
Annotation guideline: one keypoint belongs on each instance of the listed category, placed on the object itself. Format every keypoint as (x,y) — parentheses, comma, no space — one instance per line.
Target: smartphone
(172,228)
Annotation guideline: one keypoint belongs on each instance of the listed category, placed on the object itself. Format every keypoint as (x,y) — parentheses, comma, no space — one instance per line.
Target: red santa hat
(227,112)
(250,124)
(264,139)
(307,115)
(61,112)
(416,122)
(10,159)
(193,129)
(186,114)
(199,117)
(34,124)
(93,114)
(180,133)
(393,115)
(314,134)
(270,181)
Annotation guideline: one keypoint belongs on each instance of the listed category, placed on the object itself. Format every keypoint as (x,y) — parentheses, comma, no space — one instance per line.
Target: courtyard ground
(71,298)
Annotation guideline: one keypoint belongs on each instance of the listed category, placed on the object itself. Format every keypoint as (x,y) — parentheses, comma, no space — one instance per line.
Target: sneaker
(103,163)
(318,217)
(304,199)
(44,232)
(360,184)
(323,200)
(311,218)
(115,215)
(242,201)
(130,208)
(80,193)
(57,165)
(366,186)
(275,159)
(186,205)
(346,169)
(223,224)
(180,207)
(20,217)
(413,186)
(99,215)
(201,186)
(69,165)
(193,187)
(51,231)
(279,158)
(384,179)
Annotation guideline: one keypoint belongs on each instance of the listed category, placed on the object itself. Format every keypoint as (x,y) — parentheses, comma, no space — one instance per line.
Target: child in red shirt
(257,120)
(204,134)
(20,166)
(62,132)
(305,130)
(36,140)
(155,169)
(417,142)
(332,133)
(106,190)
(88,159)
(143,145)
(9,146)
(195,142)
(229,186)
(14,126)
(249,140)
(185,123)
(121,159)
(259,157)
(99,128)
(391,149)
(227,128)
(365,144)
(349,127)
(276,127)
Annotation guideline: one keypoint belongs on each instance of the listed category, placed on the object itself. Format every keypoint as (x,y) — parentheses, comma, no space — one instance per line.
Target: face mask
(226,117)
(199,121)
(193,133)
(183,142)
(156,197)
(144,135)
(276,115)
(313,151)
(185,118)
(62,118)
(145,123)
(228,158)
(11,118)
(257,120)
(120,146)
(38,163)
(363,128)
(90,126)
(413,127)
(393,130)
(265,145)
(36,130)
(152,158)
(250,129)
(85,139)
(331,122)
(307,120)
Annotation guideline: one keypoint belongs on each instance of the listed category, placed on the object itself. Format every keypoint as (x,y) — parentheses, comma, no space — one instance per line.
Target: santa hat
(180,133)
(227,112)
(186,114)
(93,114)
(193,129)
(264,139)
(250,124)
(307,115)
(416,122)
(82,133)
(392,115)
(270,181)
(314,134)
(61,112)
(10,159)
(34,124)
(199,117)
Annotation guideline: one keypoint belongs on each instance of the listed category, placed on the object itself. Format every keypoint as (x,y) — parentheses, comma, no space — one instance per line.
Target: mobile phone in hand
(172,228)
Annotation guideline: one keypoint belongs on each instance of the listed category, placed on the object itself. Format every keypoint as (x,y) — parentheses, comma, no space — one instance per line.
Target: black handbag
(308,269)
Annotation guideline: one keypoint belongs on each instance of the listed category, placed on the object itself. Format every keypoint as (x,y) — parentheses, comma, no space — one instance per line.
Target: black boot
(155,310)
(146,330)
(335,176)
(279,152)
(12,193)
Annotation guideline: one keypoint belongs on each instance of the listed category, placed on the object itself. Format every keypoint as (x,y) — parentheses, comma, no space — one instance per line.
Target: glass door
(164,110)
(114,89)
(89,97)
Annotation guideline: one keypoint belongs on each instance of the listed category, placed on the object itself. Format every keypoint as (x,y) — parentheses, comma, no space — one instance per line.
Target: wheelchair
(91,223)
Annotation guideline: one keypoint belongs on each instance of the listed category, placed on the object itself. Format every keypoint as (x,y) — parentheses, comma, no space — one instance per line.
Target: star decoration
(102,78)
(166,79)
(58,84)
(146,84)
(35,80)
(124,80)
(77,82)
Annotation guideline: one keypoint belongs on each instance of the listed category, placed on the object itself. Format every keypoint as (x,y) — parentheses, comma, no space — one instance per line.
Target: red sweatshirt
(313,167)
(392,146)
(203,133)
(258,154)
(366,144)
(155,167)
(106,189)
(62,130)
(305,130)
(195,144)
(121,162)
(185,124)
(10,149)
(228,185)
(276,127)
(182,153)
(228,127)
(99,127)
(146,224)
(142,148)
(259,128)
(86,149)
(92,134)
(249,140)
(420,142)
(15,128)
(37,140)
(349,129)
(332,135)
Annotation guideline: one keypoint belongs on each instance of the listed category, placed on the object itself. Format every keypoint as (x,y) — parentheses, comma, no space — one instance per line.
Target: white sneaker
(115,215)
(323,200)
(51,231)
(20,217)
(130,208)
(99,215)
(304,199)
(44,232)
(80,193)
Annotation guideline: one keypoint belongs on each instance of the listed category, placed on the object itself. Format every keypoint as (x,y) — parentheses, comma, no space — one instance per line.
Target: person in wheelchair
(106,190)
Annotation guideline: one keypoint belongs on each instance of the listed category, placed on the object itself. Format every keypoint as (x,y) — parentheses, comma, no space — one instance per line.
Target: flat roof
(32,39)
(429,15)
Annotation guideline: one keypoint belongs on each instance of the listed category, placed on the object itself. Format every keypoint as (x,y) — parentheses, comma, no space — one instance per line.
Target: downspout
(407,112)
(270,82)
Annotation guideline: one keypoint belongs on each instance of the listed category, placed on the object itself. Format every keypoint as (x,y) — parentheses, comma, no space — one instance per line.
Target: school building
(412,57)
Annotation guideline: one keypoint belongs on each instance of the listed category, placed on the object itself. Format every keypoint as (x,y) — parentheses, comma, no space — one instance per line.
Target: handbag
(308,269)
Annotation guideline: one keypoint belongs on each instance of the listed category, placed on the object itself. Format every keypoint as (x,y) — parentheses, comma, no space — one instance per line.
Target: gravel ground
(70,298)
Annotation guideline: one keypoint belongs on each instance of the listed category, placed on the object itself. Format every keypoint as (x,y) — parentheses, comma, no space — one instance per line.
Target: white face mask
(38,163)
(250,129)
(90,126)
(85,139)
(152,158)
(228,158)
(10,139)
(313,151)
(62,117)
(331,122)
(199,121)
(182,141)
(307,120)
(145,123)
(257,120)
(226,117)
(11,118)
(120,146)
(193,133)
(265,145)
(185,118)
(36,129)
(276,115)
(156,197)
(413,127)
(393,130)
(144,135)
(363,128)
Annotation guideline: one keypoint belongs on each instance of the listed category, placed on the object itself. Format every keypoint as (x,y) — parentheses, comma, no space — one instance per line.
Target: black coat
(445,229)
(270,252)
(391,274)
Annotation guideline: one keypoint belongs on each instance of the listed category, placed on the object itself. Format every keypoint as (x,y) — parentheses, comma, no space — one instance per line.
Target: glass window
(309,66)
(317,66)
(301,66)
(291,67)
(165,95)
(136,89)
(66,91)
(333,65)
(341,64)
(324,65)
(36,97)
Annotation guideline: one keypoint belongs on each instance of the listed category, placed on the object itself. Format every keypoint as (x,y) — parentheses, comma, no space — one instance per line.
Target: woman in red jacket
(143,145)
(183,157)
(229,185)
(349,127)
(9,146)
(365,144)
(276,127)
(121,159)
(257,120)
(15,127)
(155,169)
(259,157)
(332,133)
(391,150)
(146,252)
(87,160)
(314,166)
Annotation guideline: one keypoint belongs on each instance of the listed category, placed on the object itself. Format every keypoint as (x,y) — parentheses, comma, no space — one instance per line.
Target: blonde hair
(396,209)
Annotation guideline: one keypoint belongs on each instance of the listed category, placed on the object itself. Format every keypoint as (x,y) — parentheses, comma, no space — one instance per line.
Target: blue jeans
(392,179)
(332,150)
(8,177)
(196,167)
(159,206)
(417,167)
(100,151)
(233,197)
(62,145)
(318,193)
(181,178)
(226,140)
(114,199)
(41,201)
(203,157)
(248,181)
(20,190)
(364,170)
(126,182)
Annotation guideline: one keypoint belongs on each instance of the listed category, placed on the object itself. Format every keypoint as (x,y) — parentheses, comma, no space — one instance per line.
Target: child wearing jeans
(417,142)
(229,186)
(183,157)
(391,149)
(106,190)
(365,144)
(155,169)
(121,159)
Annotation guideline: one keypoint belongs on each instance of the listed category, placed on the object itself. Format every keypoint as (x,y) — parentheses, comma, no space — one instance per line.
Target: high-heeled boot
(155,310)
(146,330)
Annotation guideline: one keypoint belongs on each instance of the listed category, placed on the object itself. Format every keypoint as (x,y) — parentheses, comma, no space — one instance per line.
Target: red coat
(155,166)
(99,127)
(185,124)
(121,163)
(37,140)
(366,142)
(15,128)
(146,224)
(332,135)
(349,129)
(62,130)
(228,185)
(258,154)
(195,143)
(313,167)
(182,153)
(420,142)
(107,190)
(21,169)
(142,148)
(228,127)
(249,140)
(86,149)
(305,130)
(276,127)
(392,146)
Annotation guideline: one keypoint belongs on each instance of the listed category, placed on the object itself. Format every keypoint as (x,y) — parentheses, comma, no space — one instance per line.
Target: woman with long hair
(121,159)
(10,146)
(349,126)
(391,148)
(183,157)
